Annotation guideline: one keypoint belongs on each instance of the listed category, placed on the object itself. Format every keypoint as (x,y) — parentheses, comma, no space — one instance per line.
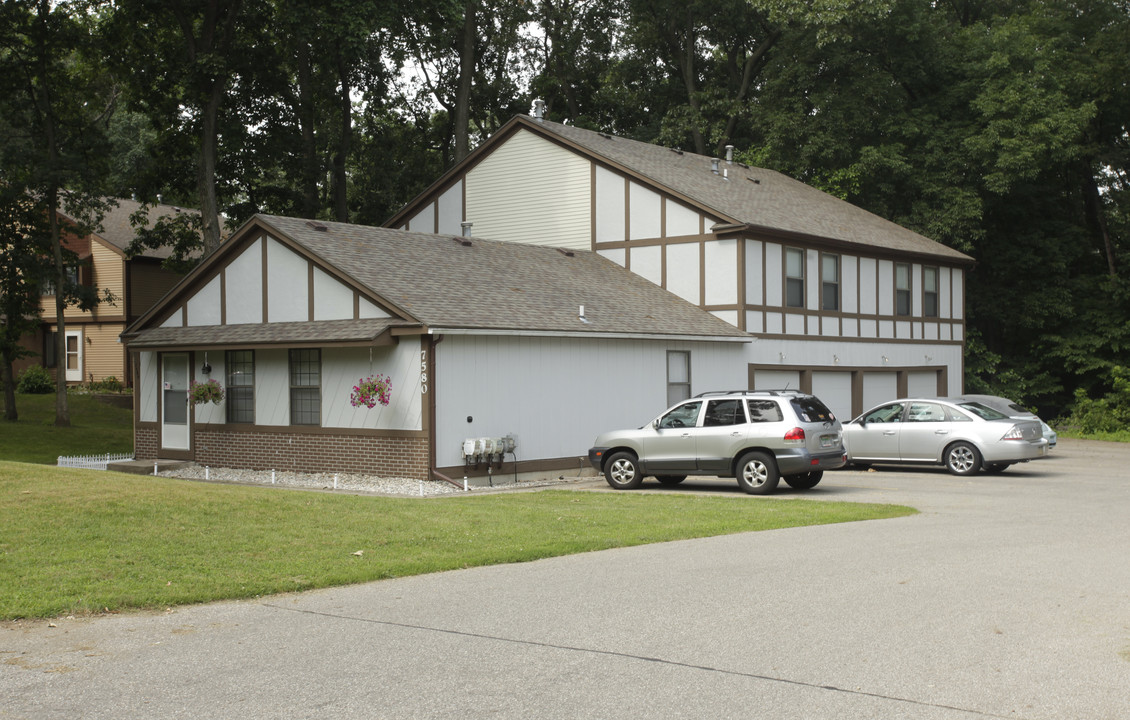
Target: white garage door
(879,387)
(834,388)
(776,380)
(922,384)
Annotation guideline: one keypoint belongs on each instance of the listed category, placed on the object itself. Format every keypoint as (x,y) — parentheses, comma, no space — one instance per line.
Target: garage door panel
(834,388)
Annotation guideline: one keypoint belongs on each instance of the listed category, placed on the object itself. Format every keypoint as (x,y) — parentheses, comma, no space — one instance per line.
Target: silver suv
(756,436)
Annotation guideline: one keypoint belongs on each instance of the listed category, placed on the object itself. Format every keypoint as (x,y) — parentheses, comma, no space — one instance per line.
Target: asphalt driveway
(1007,597)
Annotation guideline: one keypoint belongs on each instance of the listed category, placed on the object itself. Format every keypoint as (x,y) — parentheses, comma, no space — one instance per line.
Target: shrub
(107,384)
(1110,413)
(35,381)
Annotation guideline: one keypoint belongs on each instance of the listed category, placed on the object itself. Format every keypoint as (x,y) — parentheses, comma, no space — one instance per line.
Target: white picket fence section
(91,462)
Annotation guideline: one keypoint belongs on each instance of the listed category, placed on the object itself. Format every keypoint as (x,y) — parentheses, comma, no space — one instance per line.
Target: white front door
(72,351)
(174,402)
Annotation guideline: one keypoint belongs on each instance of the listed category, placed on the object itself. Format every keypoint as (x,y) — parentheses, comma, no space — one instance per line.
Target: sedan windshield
(982,411)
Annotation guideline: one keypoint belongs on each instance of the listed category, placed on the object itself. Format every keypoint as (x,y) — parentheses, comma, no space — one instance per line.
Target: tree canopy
(998,128)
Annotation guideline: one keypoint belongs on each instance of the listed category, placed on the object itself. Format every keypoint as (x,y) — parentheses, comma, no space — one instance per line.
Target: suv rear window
(810,409)
(764,411)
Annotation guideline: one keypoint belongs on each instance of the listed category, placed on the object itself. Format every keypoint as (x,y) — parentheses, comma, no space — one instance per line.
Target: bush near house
(1102,418)
(35,381)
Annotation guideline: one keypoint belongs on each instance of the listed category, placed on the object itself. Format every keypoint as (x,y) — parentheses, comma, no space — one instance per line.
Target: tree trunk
(9,380)
(1097,218)
(341,157)
(307,115)
(466,77)
(62,410)
(206,172)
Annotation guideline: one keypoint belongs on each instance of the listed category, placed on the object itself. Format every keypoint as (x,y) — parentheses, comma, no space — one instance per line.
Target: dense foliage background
(998,127)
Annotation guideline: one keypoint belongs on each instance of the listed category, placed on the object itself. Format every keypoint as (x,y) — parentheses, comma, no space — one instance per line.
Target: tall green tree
(55,102)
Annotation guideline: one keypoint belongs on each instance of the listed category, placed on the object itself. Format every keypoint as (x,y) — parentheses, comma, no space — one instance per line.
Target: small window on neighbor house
(930,292)
(71,274)
(794,277)
(306,387)
(240,399)
(678,376)
(902,288)
(829,282)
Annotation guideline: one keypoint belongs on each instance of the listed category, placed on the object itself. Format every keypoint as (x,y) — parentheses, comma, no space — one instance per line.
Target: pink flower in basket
(202,392)
(370,391)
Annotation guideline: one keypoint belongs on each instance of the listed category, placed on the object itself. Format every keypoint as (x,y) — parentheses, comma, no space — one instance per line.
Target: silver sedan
(964,436)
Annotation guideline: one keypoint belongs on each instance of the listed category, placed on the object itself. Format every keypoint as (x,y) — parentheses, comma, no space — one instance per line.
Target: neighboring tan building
(94,351)
(843,303)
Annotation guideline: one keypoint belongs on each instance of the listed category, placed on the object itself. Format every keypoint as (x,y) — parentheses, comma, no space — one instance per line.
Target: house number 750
(423,372)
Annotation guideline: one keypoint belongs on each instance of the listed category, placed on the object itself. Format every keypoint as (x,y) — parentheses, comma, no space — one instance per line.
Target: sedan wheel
(807,481)
(962,459)
(757,473)
(622,471)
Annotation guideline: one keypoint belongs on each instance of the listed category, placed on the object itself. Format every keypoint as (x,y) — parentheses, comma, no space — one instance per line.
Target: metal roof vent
(714,165)
(539,110)
(729,154)
(315,225)
(466,226)
(581,315)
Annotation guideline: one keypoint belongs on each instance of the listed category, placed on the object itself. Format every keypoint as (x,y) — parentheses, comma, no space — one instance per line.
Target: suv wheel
(962,459)
(622,471)
(807,481)
(757,473)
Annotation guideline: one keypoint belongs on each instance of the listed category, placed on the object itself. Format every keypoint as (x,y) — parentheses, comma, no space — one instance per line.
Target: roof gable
(279,270)
(738,195)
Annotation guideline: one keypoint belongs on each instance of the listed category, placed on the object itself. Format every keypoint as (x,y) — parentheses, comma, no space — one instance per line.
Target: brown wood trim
(305,430)
(740,262)
(264,239)
(223,273)
(571,465)
(310,291)
(592,208)
(428,350)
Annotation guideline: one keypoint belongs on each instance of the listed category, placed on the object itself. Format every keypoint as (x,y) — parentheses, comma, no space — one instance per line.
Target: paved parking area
(1006,597)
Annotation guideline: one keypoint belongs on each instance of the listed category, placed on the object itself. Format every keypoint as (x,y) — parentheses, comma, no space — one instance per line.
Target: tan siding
(532,191)
(103,355)
(109,274)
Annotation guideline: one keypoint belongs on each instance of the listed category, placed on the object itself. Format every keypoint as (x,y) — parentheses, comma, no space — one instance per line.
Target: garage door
(922,383)
(776,380)
(834,388)
(879,387)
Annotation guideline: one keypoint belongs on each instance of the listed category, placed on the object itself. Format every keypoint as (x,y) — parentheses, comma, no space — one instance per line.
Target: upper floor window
(70,272)
(930,292)
(829,282)
(306,387)
(240,403)
(902,288)
(678,376)
(794,277)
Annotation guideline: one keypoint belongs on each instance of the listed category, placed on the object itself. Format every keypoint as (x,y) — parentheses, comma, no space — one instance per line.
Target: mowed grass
(96,428)
(84,541)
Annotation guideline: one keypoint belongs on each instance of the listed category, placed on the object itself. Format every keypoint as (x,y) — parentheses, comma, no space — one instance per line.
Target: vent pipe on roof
(466,228)
(714,165)
(539,110)
(729,154)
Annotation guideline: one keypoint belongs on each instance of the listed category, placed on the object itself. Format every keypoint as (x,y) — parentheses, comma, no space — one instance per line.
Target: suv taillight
(795,436)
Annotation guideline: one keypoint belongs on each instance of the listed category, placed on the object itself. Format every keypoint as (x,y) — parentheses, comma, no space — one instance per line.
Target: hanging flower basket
(206,392)
(370,391)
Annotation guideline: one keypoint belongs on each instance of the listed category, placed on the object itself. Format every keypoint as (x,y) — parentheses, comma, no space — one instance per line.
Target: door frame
(175,452)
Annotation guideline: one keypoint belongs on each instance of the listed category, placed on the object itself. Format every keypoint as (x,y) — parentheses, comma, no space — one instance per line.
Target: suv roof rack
(781,392)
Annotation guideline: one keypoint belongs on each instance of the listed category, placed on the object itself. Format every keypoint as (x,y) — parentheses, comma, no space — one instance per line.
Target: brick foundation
(405,457)
(145,443)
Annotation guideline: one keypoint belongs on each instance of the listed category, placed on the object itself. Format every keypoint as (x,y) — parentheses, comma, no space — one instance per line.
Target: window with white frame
(902,288)
(829,282)
(794,277)
(306,387)
(678,376)
(930,291)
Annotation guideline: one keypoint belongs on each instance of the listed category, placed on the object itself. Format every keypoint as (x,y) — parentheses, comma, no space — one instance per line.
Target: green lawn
(96,428)
(79,541)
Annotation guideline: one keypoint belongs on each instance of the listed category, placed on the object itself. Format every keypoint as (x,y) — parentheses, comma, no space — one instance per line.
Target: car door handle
(736,433)
(941,432)
(888,432)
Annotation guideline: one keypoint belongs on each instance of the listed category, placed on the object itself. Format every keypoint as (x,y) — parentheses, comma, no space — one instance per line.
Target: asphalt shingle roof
(323,331)
(749,195)
(497,286)
(117,230)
